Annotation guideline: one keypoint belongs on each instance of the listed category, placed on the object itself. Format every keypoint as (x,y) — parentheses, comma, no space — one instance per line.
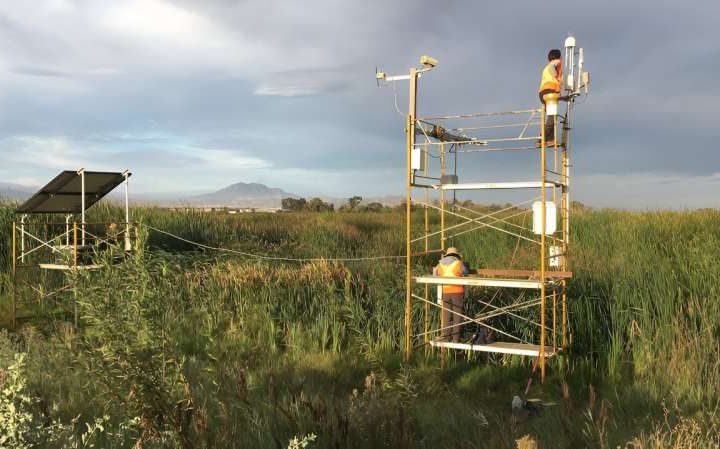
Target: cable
(512,262)
(259,256)
(432,155)
(584,99)
(396,105)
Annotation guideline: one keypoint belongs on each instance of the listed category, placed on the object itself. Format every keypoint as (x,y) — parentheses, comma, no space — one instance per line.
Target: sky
(194,95)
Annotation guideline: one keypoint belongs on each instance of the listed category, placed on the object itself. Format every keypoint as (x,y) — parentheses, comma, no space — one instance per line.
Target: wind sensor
(574,60)
(427,62)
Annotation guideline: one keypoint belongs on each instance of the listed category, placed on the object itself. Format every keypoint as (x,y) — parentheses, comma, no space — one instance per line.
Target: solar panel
(64,193)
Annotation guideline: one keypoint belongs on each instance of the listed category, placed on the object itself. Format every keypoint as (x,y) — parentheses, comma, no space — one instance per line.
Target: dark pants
(451,302)
(549,120)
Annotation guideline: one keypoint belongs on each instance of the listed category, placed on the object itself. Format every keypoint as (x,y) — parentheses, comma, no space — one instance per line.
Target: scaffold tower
(522,304)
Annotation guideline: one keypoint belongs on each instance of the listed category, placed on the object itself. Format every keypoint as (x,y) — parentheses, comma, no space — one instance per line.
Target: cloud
(39,71)
(161,22)
(647,190)
(159,155)
(54,73)
(40,152)
(214,92)
(227,160)
(303,83)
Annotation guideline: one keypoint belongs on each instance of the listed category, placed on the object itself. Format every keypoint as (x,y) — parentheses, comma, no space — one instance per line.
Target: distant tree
(318,205)
(352,203)
(578,206)
(293,204)
(494,207)
(402,205)
(301,204)
(374,207)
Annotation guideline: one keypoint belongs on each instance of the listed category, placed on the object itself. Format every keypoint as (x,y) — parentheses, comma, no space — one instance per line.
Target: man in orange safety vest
(451,265)
(551,84)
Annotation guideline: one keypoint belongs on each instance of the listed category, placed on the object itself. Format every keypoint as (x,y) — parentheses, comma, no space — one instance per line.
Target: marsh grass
(206,349)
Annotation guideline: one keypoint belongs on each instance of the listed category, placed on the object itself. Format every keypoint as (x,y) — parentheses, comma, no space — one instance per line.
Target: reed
(217,350)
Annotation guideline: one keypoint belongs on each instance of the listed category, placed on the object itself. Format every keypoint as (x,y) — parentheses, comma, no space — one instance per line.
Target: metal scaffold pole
(82,207)
(14,275)
(565,218)
(74,267)
(426,210)
(127,244)
(412,110)
(543,230)
(442,197)
(442,239)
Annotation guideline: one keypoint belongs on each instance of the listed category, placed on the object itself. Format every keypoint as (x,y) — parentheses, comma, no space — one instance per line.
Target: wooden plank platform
(497,185)
(69,247)
(55,266)
(498,347)
(528,274)
(480,281)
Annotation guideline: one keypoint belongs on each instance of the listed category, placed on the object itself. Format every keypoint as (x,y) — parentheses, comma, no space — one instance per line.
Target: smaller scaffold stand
(437,147)
(45,247)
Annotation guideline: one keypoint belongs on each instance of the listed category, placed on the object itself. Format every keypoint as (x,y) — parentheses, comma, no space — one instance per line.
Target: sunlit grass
(289,348)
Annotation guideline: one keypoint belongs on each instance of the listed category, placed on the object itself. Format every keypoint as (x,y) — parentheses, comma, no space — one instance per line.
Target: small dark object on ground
(524,409)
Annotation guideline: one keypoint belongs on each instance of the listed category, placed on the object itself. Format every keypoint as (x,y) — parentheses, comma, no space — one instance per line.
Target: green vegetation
(352,203)
(303,205)
(180,347)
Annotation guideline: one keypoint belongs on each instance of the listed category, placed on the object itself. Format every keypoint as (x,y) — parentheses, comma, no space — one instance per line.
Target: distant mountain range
(239,195)
(15,192)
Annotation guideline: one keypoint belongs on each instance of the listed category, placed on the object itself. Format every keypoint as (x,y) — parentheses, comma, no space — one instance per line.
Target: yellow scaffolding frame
(549,282)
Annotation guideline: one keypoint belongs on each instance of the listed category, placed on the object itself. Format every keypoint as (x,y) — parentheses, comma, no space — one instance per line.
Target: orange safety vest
(551,78)
(452,270)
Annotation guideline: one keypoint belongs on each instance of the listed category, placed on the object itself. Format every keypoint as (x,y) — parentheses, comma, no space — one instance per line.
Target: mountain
(15,192)
(241,195)
(236,195)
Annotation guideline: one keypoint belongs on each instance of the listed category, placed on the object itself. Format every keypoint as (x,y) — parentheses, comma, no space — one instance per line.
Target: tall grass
(237,351)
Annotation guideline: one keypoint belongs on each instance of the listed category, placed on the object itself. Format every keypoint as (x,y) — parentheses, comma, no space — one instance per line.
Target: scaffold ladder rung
(498,185)
(498,347)
(529,274)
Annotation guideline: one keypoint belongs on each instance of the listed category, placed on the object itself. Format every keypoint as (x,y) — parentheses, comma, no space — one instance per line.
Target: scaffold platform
(497,347)
(498,185)
(56,266)
(481,282)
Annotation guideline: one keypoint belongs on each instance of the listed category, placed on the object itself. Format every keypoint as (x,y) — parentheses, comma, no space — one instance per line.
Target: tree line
(353,204)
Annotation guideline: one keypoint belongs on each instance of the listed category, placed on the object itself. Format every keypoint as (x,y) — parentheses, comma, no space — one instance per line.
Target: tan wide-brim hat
(452,251)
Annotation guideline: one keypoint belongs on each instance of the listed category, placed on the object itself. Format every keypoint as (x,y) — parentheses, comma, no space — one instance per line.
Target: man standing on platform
(451,265)
(550,85)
